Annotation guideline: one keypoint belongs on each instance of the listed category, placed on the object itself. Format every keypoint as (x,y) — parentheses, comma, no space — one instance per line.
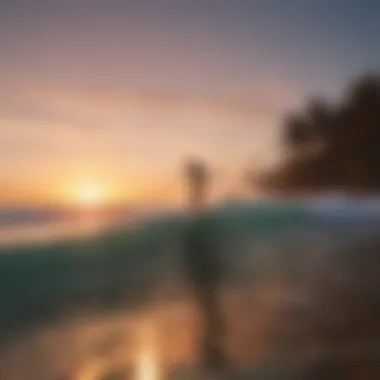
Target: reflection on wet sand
(306,309)
(265,326)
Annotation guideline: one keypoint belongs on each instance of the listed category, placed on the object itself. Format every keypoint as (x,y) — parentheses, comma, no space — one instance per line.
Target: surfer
(203,267)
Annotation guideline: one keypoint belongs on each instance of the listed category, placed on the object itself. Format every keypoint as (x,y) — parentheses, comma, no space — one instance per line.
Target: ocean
(90,295)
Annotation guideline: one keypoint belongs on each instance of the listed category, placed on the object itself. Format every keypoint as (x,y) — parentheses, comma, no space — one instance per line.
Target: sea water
(81,299)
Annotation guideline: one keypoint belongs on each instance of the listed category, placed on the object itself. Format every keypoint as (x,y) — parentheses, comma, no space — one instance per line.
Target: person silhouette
(203,267)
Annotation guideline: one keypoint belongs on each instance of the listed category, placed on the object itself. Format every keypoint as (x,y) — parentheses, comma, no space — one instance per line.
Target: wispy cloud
(144,133)
(99,107)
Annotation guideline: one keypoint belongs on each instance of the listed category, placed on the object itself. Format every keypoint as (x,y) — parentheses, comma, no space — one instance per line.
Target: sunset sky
(117,93)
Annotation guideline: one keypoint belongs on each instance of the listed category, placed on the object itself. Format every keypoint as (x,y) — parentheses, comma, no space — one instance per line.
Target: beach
(91,304)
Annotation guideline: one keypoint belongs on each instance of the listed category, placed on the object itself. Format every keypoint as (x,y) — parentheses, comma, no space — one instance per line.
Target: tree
(332,147)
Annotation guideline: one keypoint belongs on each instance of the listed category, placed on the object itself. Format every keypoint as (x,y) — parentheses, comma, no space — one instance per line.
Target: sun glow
(147,361)
(91,195)
(147,366)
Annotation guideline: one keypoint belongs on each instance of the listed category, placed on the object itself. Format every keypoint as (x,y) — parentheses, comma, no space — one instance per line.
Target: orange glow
(147,360)
(91,195)
(147,366)
(90,371)
(91,191)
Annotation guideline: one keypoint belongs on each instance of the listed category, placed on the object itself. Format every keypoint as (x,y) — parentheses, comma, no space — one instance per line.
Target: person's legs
(212,352)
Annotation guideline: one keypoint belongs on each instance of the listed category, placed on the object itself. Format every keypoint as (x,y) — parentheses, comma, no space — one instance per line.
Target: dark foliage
(333,147)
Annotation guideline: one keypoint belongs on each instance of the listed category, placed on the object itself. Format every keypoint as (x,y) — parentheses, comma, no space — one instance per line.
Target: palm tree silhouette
(333,146)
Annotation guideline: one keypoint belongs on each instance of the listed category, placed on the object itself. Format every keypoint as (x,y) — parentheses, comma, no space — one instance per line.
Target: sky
(118,93)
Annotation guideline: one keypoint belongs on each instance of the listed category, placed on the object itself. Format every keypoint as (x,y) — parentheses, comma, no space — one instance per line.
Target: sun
(90,195)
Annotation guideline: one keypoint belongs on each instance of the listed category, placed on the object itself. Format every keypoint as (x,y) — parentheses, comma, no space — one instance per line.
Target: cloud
(140,131)
(94,106)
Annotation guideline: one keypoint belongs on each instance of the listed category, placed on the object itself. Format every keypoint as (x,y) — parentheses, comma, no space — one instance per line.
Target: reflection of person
(203,267)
